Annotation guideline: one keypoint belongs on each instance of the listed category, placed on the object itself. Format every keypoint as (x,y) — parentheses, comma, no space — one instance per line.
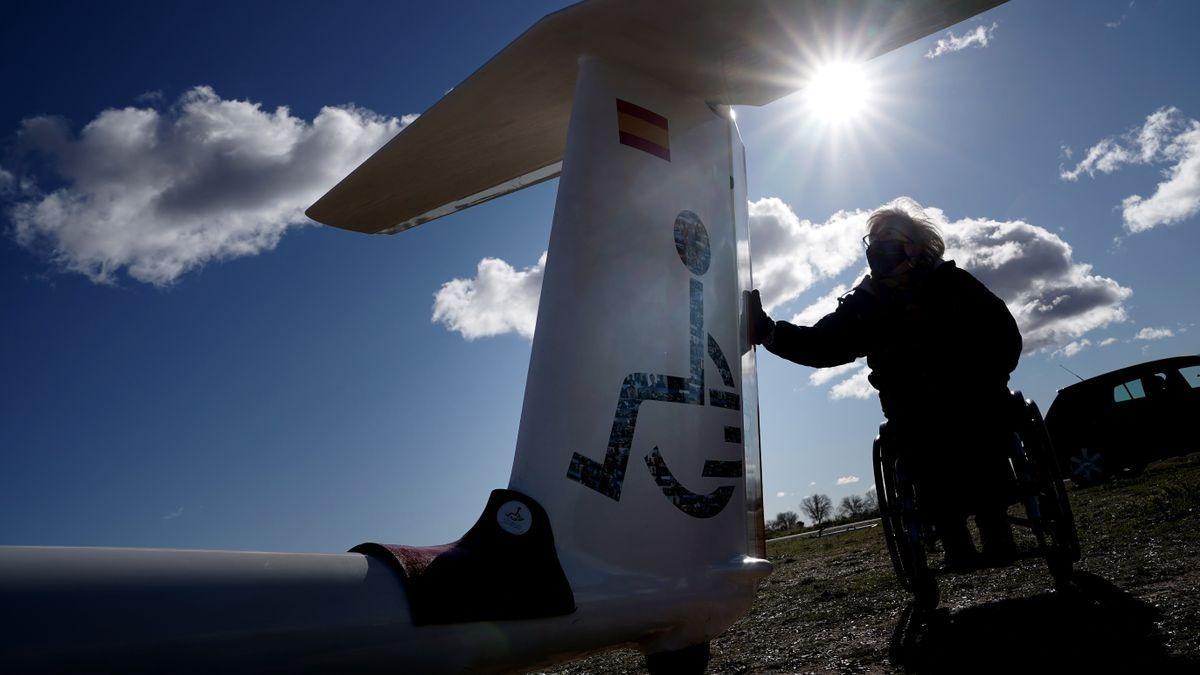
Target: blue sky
(187,363)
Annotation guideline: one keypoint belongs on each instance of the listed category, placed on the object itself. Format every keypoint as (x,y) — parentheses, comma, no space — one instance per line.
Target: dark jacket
(940,351)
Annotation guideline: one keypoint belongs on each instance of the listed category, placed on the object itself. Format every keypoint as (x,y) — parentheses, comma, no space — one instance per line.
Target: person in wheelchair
(940,347)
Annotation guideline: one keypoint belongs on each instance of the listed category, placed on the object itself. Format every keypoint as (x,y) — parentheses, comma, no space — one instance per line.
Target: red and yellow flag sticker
(639,128)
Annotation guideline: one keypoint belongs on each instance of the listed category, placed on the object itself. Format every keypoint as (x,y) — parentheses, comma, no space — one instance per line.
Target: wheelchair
(1040,490)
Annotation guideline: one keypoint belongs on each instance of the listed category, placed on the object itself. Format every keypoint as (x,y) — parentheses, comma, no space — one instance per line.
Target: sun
(838,92)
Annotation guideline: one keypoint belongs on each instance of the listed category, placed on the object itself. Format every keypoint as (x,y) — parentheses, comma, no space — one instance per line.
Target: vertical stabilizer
(634,432)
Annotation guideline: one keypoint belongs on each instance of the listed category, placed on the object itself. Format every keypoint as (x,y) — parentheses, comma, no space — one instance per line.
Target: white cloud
(1108,341)
(498,299)
(812,483)
(791,254)
(823,305)
(1166,137)
(821,376)
(781,494)
(1153,141)
(1054,299)
(1106,156)
(978,37)
(855,386)
(1151,333)
(157,194)
(1072,348)
(1175,199)
(174,514)
(847,480)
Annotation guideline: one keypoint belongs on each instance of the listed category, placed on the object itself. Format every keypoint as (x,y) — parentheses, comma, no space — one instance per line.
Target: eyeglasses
(893,236)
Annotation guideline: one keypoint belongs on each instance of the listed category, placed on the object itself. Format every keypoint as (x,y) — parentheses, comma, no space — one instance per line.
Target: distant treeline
(820,513)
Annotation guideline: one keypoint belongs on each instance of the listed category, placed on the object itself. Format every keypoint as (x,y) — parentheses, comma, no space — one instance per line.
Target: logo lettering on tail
(607,477)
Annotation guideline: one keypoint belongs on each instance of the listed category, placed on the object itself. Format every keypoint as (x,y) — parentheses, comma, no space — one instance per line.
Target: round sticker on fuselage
(514,518)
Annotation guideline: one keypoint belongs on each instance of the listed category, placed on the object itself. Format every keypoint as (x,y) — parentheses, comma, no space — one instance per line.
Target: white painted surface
(615,301)
(156,610)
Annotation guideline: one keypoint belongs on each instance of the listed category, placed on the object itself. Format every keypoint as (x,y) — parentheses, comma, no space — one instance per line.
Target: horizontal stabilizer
(505,126)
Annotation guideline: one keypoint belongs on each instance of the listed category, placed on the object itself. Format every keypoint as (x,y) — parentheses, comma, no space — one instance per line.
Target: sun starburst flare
(838,92)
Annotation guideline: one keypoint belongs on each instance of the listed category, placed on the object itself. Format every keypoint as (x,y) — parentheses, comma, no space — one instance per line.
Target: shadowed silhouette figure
(940,347)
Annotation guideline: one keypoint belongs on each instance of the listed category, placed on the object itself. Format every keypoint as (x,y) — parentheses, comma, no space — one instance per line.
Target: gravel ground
(832,604)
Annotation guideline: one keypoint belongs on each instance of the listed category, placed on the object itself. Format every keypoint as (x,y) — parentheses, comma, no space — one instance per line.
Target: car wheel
(1088,467)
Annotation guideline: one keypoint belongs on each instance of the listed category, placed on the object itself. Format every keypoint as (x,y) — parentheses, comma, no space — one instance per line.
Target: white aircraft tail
(637,460)
(639,434)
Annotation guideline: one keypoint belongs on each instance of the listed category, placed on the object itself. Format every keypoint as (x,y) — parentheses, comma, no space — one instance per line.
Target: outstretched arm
(832,341)
(838,338)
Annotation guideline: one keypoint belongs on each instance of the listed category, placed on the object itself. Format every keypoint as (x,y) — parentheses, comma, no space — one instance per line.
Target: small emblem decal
(514,518)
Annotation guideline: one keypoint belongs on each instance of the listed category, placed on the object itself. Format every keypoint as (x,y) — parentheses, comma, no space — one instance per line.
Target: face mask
(885,256)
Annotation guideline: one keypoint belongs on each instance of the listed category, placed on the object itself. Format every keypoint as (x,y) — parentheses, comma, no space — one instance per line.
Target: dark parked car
(1123,420)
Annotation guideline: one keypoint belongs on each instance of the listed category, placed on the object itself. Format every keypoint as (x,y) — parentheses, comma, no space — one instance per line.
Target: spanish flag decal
(639,128)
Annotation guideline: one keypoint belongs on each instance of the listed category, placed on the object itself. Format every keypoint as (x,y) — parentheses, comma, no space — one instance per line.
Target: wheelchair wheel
(901,528)
(1046,502)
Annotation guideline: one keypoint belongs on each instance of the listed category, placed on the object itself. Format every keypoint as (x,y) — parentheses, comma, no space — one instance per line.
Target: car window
(1192,375)
(1155,384)
(1127,391)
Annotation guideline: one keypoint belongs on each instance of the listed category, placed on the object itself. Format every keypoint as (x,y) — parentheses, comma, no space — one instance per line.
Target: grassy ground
(832,603)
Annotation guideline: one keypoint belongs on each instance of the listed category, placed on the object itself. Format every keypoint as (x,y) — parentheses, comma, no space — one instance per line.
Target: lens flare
(838,93)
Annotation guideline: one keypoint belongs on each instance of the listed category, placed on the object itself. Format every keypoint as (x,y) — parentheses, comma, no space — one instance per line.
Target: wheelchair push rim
(902,531)
(1048,506)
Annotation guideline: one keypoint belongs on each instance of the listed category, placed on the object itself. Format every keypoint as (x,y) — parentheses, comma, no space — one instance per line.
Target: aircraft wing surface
(505,126)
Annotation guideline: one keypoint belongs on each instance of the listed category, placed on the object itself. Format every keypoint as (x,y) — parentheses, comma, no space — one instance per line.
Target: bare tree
(817,507)
(787,520)
(871,503)
(854,506)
